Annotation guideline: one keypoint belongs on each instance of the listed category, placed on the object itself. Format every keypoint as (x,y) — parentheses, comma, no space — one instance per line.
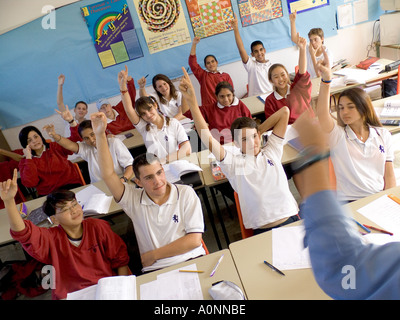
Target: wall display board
(111,27)
(209,18)
(305,5)
(256,11)
(163,24)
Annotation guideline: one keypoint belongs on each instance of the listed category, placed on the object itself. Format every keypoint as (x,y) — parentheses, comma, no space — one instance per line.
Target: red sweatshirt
(49,172)
(298,100)
(220,120)
(122,122)
(100,253)
(208,81)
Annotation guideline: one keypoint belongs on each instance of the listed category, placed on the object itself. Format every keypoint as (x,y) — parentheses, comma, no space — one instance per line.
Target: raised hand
(234,22)
(66,115)
(301,42)
(49,128)
(324,67)
(9,188)
(196,40)
(186,87)
(61,79)
(292,16)
(142,82)
(99,122)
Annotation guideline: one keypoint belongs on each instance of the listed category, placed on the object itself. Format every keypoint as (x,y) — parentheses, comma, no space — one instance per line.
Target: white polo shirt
(120,155)
(359,166)
(258,77)
(165,141)
(261,184)
(171,108)
(310,65)
(156,226)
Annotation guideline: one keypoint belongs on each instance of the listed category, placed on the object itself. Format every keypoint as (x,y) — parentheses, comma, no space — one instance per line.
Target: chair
(204,247)
(245,232)
(398,81)
(80,173)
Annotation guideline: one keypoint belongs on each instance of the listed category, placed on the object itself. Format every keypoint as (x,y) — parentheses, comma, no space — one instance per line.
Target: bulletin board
(29,86)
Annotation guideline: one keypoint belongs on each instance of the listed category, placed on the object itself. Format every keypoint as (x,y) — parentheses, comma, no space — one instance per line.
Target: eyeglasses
(74,205)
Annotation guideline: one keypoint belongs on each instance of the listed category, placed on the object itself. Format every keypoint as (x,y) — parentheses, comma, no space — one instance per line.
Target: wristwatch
(125,178)
(308,156)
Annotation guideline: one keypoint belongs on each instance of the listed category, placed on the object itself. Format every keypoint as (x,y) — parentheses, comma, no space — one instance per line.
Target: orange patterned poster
(255,11)
(210,17)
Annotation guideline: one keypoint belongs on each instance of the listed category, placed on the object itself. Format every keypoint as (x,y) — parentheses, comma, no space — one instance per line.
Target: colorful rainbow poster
(163,24)
(210,17)
(111,27)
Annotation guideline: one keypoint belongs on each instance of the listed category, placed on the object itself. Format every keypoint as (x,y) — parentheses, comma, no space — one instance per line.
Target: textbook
(356,76)
(176,169)
(93,201)
(391,109)
(109,288)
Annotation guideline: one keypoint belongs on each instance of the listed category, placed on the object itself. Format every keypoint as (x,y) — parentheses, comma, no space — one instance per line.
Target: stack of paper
(93,201)
(173,285)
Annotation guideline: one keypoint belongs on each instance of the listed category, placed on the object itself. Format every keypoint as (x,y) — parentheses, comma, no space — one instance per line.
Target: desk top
(225,271)
(262,283)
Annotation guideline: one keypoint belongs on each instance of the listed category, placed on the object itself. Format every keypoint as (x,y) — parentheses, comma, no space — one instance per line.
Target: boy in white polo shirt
(257,69)
(167,218)
(257,174)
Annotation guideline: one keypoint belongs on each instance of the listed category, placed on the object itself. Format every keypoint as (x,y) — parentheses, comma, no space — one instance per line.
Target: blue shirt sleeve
(344,266)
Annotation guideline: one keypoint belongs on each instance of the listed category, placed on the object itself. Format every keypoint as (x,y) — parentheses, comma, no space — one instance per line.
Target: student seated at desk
(314,52)
(257,174)
(117,119)
(208,78)
(45,166)
(220,114)
(122,158)
(167,218)
(80,251)
(332,238)
(361,149)
(257,69)
(296,95)
(162,135)
(80,109)
(168,98)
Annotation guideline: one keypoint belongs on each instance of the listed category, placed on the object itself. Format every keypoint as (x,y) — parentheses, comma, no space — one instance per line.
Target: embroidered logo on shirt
(381,149)
(175,218)
(166,138)
(270,162)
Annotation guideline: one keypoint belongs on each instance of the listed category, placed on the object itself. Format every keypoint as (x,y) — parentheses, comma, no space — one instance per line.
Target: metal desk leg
(221,220)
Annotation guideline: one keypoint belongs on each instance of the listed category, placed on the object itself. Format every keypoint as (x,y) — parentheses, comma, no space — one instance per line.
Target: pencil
(377,229)
(194,271)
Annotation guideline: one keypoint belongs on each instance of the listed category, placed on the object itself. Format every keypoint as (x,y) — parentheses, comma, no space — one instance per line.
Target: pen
(361,226)
(274,268)
(377,229)
(216,266)
(195,271)
(146,75)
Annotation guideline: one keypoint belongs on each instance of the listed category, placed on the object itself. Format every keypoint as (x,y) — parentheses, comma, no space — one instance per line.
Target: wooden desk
(262,283)
(225,271)
(5,237)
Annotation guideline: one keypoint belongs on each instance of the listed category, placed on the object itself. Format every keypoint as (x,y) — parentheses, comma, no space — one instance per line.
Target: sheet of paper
(360,11)
(288,250)
(345,15)
(117,288)
(384,212)
(173,285)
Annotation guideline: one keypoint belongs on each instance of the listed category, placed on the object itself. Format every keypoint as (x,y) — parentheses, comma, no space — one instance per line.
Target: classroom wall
(350,43)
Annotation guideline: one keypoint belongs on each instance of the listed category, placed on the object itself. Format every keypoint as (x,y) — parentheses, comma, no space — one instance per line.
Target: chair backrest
(398,80)
(80,173)
(204,246)
(245,232)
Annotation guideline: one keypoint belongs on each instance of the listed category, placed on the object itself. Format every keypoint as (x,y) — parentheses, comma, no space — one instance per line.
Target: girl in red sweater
(220,114)
(45,166)
(296,95)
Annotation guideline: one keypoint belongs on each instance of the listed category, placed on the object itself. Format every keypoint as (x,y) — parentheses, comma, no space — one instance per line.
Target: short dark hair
(85,124)
(223,85)
(55,198)
(83,102)
(240,123)
(23,137)
(209,55)
(143,159)
(256,43)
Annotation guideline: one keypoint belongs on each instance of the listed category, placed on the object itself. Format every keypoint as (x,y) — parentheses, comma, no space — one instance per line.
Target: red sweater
(220,120)
(297,101)
(49,172)
(122,122)
(100,253)
(208,81)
